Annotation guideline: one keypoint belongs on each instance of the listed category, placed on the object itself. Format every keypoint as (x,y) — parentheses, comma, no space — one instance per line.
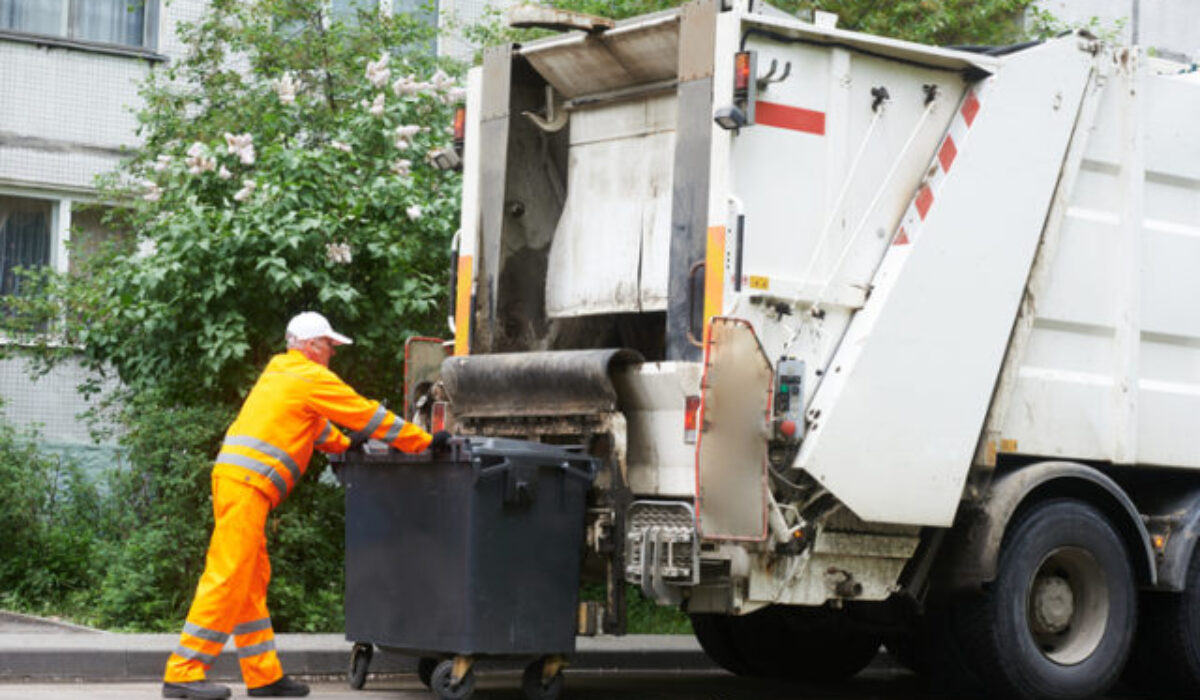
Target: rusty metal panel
(631,54)
(697,39)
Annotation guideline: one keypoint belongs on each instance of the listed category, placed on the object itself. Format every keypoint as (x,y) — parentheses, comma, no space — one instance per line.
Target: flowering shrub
(300,180)
(285,167)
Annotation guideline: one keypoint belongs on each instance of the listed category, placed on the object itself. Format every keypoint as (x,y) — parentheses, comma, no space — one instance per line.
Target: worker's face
(319,350)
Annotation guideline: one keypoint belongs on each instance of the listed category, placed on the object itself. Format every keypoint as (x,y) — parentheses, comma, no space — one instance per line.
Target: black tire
(1166,655)
(360,662)
(929,649)
(425,667)
(537,689)
(804,643)
(1058,621)
(715,634)
(440,683)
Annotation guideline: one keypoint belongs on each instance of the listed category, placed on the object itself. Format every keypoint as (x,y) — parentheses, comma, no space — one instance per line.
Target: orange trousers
(231,597)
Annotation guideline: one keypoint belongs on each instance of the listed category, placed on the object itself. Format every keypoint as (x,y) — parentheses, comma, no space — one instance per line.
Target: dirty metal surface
(555,383)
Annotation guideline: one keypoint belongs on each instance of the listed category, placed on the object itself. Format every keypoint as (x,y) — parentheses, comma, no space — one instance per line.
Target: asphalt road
(880,682)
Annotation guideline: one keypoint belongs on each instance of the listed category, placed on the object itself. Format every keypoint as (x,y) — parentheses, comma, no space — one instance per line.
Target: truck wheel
(715,634)
(1166,656)
(1058,620)
(537,689)
(425,667)
(929,649)
(442,685)
(804,643)
(360,661)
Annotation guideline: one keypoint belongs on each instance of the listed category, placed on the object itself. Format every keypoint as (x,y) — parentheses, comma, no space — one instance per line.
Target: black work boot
(195,690)
(283,688)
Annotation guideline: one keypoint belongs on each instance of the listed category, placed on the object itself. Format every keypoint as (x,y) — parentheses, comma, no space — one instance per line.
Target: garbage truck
(877,342)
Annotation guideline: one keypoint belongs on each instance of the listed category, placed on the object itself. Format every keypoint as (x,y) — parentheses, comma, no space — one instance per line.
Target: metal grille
(24,241)
(660,541)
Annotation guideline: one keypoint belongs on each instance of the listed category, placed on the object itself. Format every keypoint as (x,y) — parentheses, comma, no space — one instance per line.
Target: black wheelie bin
(471,553)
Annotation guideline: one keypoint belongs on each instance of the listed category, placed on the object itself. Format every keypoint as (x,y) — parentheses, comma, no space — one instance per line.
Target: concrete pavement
(32,649)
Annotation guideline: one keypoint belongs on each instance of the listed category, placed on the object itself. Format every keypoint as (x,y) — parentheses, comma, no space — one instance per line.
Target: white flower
(402,167)
(408,86)
(341,146)
(377,105)
(161,163)
(406,131)
(441,81)
(456,94)
(242,145)
(286,87)
(224,173)
(247,190)
(153,191)
(198,160)
(338,253)
(414,212)
(378,72)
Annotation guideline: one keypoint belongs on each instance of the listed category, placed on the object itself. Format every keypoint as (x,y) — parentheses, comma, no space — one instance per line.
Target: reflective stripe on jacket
(289,412)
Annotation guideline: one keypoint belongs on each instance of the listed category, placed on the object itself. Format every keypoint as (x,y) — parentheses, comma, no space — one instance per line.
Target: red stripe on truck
(785,117)
(970,107)
(947,152)
(924,201)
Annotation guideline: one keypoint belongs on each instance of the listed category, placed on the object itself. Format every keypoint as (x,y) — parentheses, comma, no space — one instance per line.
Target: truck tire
(1057,622)
(715,634)
(1166,655)
(930,649)
(804,644)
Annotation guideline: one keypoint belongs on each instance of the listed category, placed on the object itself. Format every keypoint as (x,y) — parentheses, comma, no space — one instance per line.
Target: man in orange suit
(290,411)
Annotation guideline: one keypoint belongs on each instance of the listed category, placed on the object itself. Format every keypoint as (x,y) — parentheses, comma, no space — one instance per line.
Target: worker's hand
(441,441)
(356,443)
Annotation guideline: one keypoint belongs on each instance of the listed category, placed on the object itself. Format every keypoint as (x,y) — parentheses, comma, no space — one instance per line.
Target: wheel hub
(1053,605)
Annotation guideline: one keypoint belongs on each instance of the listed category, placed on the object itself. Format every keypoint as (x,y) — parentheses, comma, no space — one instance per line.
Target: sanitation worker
(290,411)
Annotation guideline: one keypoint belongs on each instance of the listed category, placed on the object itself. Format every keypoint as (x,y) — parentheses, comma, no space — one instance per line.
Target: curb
(120,657)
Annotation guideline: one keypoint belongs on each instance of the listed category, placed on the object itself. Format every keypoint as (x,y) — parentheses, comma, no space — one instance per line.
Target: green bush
(50,519)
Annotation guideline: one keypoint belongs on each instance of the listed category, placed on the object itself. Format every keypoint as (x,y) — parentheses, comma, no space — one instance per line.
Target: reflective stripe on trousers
(231,597)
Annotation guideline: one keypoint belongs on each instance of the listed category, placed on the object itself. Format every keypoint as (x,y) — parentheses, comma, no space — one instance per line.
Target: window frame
(148,49)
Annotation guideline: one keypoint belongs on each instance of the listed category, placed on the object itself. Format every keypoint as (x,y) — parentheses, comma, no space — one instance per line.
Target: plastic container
(475,552)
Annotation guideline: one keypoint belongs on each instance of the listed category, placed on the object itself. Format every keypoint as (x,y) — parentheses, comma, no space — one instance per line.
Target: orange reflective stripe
(255,626)
(373,424)
(192,655)
(268,449)
(256,649)
(394,431)
(204,633)
(256,466)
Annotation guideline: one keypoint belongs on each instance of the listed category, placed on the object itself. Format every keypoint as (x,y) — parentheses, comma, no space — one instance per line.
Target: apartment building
(69,73)
(69,76)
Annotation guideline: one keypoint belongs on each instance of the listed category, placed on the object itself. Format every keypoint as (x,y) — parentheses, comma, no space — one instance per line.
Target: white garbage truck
(879,342)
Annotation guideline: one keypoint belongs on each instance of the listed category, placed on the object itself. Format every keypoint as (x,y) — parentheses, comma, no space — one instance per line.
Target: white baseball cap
(310,324)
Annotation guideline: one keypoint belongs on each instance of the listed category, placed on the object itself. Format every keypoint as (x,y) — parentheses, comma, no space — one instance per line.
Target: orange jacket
(291,410)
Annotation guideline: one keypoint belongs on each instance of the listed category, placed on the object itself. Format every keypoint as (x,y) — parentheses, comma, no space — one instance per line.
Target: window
(24,238)
(127,22)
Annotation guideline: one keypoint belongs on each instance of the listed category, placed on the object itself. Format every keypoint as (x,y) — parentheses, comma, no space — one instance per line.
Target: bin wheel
(442,684)
(538,689)
(425,667)
(360,660)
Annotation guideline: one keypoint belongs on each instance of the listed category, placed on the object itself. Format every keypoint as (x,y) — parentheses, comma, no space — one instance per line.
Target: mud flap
(731,449)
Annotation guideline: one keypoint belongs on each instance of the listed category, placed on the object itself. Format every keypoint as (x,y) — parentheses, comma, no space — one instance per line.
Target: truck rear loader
(878,342)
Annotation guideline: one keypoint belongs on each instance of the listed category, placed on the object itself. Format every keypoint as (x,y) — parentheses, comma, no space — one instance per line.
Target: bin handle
(500,467)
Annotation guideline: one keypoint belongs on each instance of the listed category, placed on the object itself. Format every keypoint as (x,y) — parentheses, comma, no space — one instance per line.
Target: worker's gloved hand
(441,441)
(356,443)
